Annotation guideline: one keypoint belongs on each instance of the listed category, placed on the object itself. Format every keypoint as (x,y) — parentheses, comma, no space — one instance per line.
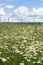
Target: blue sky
(21,10)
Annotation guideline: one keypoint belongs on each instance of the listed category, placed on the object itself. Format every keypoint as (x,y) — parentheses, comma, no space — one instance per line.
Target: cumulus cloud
(2,11)
(39,11)
(13,19)
(25,14)
(5,18)
(23,11)
(10,6)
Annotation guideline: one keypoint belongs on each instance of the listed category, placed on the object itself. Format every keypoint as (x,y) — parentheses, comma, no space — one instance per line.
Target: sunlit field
(21,44)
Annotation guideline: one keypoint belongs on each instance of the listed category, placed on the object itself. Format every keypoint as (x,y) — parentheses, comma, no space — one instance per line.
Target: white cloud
(39,11)
(13,19)
(2,11)
(10,6)
(25,14)
(5,18)
(22,11)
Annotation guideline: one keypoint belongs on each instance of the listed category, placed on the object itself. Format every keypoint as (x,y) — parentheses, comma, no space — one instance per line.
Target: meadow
(21,44)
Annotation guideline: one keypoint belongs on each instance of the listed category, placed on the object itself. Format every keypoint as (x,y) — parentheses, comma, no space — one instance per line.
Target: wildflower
(34,62)
(28,60)
(8,58)
(17,51)
(42,58)
(3,59)
(22,63)
(39,61)
(21,52)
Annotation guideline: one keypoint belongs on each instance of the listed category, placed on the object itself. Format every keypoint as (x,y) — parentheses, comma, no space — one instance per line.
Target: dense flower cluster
(21,44)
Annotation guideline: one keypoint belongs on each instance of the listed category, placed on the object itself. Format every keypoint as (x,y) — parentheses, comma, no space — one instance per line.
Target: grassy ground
(21,44)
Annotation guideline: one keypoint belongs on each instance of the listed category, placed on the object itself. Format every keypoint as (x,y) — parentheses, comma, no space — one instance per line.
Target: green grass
(21,43)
